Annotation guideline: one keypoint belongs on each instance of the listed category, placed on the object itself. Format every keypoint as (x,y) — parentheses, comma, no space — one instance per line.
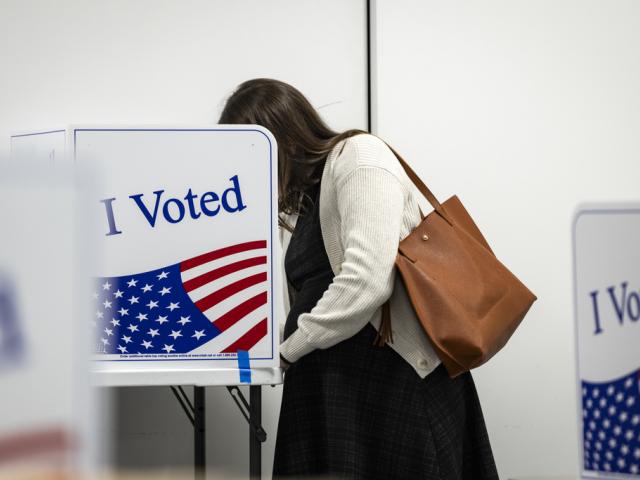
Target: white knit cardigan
(367,205)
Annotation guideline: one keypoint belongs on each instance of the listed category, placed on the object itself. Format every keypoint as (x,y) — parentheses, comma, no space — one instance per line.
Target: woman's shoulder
(361,151)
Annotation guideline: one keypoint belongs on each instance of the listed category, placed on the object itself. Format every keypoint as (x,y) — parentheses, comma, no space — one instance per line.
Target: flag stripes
(185,307)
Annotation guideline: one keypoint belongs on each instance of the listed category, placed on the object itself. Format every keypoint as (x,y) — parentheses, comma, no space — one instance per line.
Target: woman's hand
(283,363)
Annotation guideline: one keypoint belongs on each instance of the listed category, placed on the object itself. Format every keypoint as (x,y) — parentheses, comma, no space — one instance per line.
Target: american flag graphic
(179,308)
(611,425)
(11,341)
(53,443)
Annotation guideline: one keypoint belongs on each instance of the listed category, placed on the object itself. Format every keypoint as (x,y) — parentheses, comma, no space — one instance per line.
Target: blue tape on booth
(243,366)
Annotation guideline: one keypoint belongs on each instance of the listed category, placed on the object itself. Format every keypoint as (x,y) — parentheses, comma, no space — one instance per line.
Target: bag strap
(417,181)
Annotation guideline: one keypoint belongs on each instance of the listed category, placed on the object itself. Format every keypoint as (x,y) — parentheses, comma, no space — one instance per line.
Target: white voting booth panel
(47,146)
(606,240)
(48,410)
(189,289)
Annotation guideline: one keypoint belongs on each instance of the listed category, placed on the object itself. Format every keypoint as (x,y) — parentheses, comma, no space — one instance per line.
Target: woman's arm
(370,202)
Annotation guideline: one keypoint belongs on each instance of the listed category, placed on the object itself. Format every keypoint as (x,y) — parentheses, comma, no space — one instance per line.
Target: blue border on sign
(75,130)
(588,211)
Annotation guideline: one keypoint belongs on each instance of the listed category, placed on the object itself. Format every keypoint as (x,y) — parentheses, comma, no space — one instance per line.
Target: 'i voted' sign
(186,219)
(607,308)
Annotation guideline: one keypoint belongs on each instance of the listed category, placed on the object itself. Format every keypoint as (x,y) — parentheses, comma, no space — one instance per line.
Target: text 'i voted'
(161,206)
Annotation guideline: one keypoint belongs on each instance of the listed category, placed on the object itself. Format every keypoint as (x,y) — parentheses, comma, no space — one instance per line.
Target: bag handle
(417,181)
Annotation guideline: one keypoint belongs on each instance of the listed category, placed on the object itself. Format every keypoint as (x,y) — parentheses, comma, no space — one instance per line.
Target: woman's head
(304,139)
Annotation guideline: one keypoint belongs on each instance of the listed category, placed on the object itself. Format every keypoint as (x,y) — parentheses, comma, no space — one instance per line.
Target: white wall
(152,61)
(173,61)
(522,109)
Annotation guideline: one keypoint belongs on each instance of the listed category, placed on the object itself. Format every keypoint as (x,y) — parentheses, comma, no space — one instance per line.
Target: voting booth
(188,289)
(606,240)
(48,410)
(187,292)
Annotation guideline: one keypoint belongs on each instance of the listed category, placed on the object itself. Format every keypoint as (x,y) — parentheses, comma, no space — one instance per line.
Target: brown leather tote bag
(468,303)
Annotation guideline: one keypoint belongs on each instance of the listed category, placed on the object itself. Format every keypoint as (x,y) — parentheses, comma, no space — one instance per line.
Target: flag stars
(122,305)
(175,334)
(197,334)
(173,305)
(152,304)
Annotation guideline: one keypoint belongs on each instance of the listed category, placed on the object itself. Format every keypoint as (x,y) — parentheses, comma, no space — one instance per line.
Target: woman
(352,408)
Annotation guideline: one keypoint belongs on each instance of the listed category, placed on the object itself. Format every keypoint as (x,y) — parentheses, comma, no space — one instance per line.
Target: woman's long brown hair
(304,139)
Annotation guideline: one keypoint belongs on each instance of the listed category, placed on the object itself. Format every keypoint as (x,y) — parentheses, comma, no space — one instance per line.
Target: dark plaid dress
(359,411)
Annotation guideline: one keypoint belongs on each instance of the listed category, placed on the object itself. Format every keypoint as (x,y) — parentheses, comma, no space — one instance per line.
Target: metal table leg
(255,414)
(200,460)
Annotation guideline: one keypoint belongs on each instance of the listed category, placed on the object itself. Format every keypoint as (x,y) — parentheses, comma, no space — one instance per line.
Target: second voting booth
(605,239)
(188,289)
